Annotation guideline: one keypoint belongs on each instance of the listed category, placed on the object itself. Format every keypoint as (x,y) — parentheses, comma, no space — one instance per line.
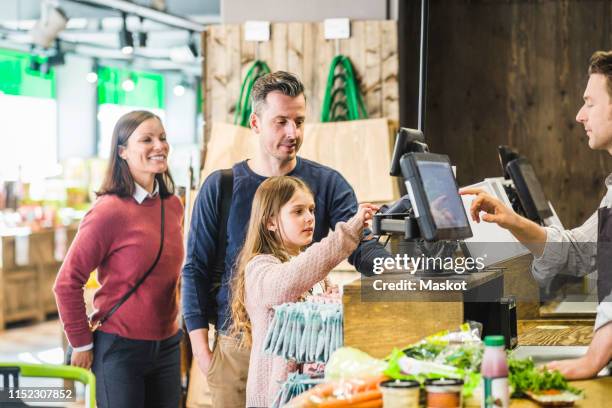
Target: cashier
(580,250)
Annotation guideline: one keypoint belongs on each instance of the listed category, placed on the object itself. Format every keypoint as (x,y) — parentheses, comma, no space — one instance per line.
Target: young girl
(271,270)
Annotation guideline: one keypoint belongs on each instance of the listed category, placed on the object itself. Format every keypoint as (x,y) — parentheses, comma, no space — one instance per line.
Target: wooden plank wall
(513,72)
(302,49)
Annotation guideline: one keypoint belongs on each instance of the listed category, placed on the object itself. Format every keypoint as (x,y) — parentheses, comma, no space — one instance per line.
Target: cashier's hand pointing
(83,359)
(494,210)
(525,231)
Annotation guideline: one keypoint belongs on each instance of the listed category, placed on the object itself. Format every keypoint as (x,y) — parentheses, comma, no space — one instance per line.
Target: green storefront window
(16,77)
(148,91)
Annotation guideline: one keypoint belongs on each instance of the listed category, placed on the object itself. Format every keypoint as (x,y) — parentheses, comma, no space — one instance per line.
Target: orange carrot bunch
(356,393)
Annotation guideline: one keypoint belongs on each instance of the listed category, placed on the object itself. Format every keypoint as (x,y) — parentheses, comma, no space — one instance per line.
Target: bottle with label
(494,372)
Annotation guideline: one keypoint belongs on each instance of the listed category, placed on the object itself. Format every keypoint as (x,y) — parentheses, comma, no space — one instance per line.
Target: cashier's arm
(597,357)
(526,231)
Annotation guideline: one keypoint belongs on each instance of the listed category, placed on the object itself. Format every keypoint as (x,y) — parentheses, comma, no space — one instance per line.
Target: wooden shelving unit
(26,289)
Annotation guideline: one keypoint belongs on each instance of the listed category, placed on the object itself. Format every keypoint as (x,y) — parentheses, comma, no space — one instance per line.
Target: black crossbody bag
(95,326)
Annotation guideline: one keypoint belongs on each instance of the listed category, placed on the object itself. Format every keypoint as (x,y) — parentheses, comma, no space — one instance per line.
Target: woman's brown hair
(269,198)
(118,180)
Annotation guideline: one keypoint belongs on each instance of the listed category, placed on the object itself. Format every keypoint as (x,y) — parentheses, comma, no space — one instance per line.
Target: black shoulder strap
(143,277)
(227,187)
(218,268)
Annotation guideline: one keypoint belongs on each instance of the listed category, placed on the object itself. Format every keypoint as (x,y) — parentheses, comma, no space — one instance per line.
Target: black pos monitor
(530,194)
(432,201)
(529,189)
(434,195)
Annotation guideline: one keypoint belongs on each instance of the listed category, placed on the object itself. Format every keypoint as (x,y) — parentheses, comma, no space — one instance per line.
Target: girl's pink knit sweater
(269,282)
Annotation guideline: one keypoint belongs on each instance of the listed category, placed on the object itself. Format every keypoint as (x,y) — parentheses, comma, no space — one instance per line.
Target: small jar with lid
(444,393)
(400,394)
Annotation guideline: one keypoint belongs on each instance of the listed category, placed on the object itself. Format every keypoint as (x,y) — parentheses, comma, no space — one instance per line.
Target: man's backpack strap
(227,187)
(226,192)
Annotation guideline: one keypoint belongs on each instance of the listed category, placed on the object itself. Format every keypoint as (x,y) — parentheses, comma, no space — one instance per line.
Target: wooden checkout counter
(376,327)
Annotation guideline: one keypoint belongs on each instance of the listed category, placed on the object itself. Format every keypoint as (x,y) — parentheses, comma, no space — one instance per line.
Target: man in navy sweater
(279,109)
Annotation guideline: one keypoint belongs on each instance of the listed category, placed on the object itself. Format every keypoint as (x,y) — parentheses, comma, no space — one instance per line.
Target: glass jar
(400,394)
(444,393)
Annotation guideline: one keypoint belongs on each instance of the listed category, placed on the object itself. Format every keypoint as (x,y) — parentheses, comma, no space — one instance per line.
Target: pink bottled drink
(494,371)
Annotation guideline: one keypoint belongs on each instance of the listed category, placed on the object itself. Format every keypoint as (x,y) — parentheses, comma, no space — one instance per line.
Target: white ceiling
(93,31)
(30,9)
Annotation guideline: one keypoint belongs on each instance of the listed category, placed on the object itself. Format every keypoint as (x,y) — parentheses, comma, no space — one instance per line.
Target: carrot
(377,403)
(323,390)
(365,396)
(550,392)
(368,383)
(333,403)
(356,399)
(362,390)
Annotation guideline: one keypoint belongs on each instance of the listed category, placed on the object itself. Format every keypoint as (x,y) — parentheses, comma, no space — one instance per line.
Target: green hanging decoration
(342,100)
(243,105)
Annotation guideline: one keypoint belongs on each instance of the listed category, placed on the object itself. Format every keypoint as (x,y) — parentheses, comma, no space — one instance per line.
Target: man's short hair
(601,63)
(284,82)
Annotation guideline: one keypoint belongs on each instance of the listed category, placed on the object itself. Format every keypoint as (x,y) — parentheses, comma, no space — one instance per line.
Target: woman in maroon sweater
(135,353)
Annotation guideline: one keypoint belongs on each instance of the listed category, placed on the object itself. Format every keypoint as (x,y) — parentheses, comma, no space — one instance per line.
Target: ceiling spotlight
(142,39)
(91,77)
(52,21)
(126,39)
(34,63)
(192,45)
(180,88)
(128,84)
(142,35)
(57,58)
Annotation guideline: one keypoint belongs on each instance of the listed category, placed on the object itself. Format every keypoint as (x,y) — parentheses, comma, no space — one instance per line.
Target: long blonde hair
(269,198)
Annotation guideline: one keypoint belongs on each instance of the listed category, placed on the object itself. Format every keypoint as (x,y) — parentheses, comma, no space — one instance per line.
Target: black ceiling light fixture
(34,64)
(142,35)
(57,58)
(43,61)
(186,53)
(92,75)
(192,44)
(126,39)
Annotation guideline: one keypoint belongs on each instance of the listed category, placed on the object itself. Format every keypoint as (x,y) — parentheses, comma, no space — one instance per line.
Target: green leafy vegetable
(524,376)
(466,357)
(426,350)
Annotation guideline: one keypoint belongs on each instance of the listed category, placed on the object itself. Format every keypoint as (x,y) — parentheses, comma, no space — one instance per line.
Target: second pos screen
(535,189)
(441,191)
